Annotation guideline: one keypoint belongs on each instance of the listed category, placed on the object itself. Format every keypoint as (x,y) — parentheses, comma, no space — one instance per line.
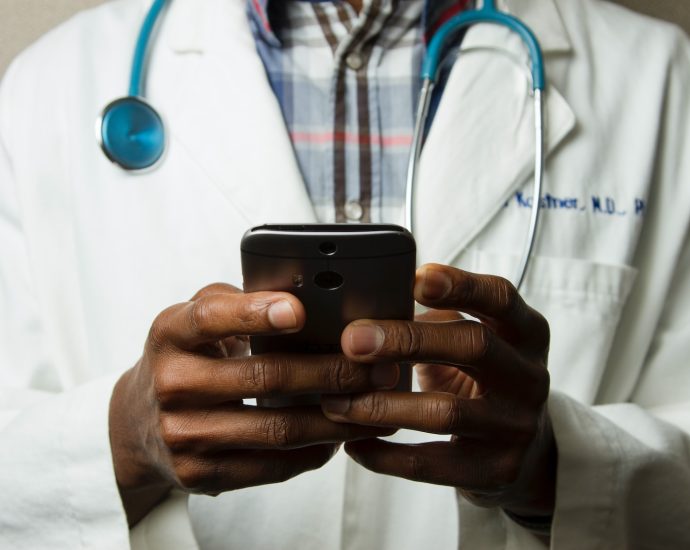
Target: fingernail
(436,285)
(366,339)
(336,404)
(384,376)
(281,315)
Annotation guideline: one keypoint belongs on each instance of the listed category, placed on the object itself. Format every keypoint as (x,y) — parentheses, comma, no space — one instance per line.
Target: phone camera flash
(298,280)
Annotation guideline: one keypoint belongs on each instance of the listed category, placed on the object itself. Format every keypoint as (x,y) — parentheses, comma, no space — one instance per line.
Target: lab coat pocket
(582,301)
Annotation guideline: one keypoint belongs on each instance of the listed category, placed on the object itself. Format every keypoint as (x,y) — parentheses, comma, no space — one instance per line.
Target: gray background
(22,21)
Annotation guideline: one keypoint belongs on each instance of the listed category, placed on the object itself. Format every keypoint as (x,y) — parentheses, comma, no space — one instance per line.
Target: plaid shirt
(348,84)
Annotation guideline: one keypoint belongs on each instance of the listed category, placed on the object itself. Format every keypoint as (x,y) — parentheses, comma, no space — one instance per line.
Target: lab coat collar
(187,23)
(543,17)
(236,138)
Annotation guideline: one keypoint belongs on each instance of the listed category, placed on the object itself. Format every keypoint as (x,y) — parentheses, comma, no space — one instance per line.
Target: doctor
(91,256)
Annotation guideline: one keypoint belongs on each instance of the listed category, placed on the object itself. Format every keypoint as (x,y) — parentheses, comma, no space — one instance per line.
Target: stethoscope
(132,134)
(130,131)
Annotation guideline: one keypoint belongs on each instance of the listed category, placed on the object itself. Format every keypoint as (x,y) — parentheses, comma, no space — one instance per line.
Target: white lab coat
(89,255)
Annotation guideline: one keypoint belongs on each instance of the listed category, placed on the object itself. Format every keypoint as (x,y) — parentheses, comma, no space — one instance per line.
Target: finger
(218,316)
(232,346)
(475,467)
(240,469)
(438,316)
(216,288)
(206,382)
(438,413)
(468,345)
(487,297)
(442,378)
(246,427)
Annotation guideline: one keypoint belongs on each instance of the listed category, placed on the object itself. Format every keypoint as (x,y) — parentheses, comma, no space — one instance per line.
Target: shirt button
(354,211)
(354,60)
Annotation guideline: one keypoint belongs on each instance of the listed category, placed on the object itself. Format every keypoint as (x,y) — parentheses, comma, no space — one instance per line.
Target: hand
(484,382)
(177,418)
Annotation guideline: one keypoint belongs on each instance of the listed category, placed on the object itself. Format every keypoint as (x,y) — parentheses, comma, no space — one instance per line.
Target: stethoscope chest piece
(131,133)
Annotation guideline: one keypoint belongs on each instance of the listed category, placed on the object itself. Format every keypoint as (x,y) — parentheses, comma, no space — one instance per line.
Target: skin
(484,383)
(177,420)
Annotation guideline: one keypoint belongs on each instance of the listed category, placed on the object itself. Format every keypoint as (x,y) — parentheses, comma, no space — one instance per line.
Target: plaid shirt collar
(267,15)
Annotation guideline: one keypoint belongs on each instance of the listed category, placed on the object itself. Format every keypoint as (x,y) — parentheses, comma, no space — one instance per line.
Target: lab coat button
(354,211)
(354,60)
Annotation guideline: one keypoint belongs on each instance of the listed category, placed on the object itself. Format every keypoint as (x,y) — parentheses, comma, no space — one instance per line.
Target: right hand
(177,418)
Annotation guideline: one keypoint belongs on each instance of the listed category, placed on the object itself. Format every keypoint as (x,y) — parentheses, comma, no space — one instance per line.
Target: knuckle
(506,295)
(158,333)
(417,466)
(283,430)
(171,432)
(480,337)
(201,316)
(271,377)
(537,390)
(376,407)
(156,340)
(445,416)
(342,375)
(251,374)
(191,474)
(464,289)
(409,339)
(168,389)
(216,288)
(508,472)
(263,376)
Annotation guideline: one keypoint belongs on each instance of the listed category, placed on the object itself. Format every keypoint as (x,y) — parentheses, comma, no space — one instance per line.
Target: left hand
(484,382)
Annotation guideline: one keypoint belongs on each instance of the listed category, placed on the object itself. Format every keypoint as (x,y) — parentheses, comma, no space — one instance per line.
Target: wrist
(138,502)
(536,497)
(140,484)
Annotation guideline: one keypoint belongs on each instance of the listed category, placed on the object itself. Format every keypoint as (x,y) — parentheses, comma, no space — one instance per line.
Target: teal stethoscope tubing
(132,135)
(488,13)
(130,131)
(139,60)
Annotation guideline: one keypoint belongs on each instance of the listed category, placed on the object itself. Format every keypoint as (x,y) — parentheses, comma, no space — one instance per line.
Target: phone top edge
(328,228)
(323,257)
(341,241)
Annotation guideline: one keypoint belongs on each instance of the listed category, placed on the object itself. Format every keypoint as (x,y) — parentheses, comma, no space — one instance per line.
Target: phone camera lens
(329,280)
(328,248)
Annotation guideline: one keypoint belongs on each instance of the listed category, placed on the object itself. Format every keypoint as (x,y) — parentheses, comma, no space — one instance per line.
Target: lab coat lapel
(480,148)
(225,116)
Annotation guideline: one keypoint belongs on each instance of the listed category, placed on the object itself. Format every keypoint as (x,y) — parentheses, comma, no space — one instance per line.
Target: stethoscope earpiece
(131,133)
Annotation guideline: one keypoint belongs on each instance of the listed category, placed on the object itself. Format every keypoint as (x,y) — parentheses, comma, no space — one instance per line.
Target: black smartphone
(340,272)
